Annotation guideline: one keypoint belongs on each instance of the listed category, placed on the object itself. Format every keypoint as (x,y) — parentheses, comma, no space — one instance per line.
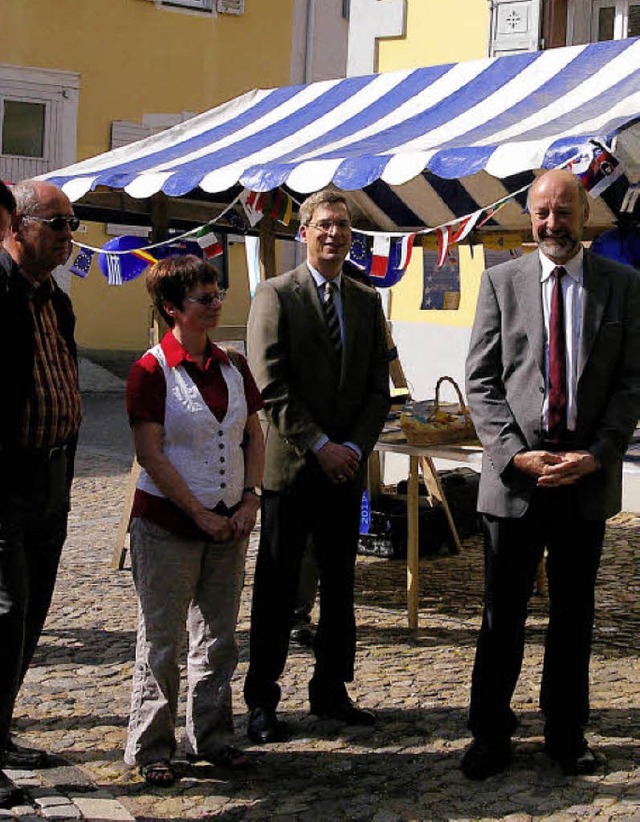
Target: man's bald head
(34,244)
(559,208)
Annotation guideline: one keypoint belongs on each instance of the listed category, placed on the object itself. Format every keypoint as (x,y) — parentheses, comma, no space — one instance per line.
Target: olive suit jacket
(306,394)
(505,380)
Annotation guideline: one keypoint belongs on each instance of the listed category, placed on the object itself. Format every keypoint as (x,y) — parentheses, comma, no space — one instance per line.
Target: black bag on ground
(460,488)
(387,535)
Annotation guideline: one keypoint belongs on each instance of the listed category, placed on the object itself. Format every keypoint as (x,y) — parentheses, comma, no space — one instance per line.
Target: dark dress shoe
(344,711)
(485,758)
(264,727)
(17,756)
(575,759)
(10,794)
(303,634)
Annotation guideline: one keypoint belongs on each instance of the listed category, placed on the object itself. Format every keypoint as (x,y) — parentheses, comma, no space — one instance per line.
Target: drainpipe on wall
(308,57)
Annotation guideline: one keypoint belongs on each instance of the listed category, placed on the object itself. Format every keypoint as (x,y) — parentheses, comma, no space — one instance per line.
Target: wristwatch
(253,489)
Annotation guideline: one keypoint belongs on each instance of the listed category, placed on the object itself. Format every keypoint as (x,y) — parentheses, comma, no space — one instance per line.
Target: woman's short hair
(169,280)
(7,200)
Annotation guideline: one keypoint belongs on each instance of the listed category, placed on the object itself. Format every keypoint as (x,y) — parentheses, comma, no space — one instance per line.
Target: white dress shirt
(573,298)
(320,281)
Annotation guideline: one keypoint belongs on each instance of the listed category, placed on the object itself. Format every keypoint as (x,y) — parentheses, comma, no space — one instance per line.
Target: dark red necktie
(557,411)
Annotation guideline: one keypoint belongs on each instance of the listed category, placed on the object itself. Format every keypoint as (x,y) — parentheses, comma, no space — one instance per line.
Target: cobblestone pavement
(75,699)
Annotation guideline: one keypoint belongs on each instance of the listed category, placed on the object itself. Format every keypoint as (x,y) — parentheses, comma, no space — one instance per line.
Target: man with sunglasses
(317,348)
(39,420)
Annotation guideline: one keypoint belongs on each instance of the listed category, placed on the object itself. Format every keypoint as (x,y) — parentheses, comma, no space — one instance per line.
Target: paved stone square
(75,699)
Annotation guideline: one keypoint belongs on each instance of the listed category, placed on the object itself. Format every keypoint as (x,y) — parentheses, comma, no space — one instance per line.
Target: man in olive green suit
(317,349)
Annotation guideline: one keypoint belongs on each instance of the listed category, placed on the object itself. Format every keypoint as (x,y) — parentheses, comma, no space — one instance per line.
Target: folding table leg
(120,547)
(436,491)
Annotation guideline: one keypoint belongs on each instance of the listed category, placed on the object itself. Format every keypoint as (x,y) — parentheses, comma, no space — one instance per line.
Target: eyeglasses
(326,225)
(56,223)
(207,299)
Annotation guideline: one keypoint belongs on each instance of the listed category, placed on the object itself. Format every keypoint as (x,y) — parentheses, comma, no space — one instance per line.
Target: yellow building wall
(134,58)
(438,33)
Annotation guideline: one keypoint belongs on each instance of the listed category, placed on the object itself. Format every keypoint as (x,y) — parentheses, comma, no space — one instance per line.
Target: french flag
(380,256)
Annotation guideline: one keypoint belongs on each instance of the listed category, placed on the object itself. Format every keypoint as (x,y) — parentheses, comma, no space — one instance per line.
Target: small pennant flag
(253,203)
(141,254)
(380,255)
(114,276)
(359,253)
(443,245)
(393,256)
(282,207)
(464,228)
(603,171)
(406,249)
(208,242)
(630,198)
(489,213)
(82,263)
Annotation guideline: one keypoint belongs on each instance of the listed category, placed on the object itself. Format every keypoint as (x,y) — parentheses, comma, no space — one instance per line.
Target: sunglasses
(207,299)
(56,223)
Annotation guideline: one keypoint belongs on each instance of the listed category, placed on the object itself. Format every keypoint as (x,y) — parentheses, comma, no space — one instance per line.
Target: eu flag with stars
(82,263)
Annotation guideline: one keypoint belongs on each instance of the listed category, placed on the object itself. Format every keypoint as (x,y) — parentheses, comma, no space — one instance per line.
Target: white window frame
(230,6)
(47,148)
(582,19)
(59,92)
(195,5)
(621,19)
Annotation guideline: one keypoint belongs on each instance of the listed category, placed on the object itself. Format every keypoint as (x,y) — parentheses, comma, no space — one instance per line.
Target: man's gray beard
(558,247)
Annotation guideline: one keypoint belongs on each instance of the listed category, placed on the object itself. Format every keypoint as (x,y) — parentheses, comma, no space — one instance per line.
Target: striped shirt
(53,411)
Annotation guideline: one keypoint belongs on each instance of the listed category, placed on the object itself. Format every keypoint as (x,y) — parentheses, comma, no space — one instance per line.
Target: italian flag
(208,242)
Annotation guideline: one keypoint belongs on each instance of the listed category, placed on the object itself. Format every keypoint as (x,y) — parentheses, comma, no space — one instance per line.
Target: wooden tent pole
(267,247)
(159,232)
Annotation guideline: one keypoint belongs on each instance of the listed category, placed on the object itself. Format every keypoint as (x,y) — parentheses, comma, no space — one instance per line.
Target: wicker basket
(437,423)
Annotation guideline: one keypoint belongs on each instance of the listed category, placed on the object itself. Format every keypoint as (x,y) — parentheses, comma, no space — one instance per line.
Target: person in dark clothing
(39,421)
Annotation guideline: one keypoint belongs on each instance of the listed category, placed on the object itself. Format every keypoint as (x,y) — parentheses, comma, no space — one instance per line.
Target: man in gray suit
(318,351)
(553,383)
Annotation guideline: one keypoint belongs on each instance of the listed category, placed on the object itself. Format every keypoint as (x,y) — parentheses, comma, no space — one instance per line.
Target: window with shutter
(515,26)
(38,118)
(230,6)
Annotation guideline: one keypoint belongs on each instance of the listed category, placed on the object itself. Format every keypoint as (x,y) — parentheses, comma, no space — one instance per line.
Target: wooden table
(421,457)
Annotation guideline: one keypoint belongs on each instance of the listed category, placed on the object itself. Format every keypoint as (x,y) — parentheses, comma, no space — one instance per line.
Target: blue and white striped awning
(418,146)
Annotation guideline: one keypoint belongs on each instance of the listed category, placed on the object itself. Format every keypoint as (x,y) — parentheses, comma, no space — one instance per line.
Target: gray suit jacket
(506,381)
(291,359)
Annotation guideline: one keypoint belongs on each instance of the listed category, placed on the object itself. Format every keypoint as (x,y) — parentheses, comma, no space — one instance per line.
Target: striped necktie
(331,316)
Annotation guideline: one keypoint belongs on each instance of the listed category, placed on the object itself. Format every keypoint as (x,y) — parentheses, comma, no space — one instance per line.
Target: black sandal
(225,757)
(158,774)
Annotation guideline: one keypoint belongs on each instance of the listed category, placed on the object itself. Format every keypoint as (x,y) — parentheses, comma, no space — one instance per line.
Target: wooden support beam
(267,247)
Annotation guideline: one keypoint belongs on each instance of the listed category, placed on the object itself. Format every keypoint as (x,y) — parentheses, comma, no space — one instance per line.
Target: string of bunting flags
(124,258)
(383,256)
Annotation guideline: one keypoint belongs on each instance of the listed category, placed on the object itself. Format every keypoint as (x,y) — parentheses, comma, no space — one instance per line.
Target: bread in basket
(433,422)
